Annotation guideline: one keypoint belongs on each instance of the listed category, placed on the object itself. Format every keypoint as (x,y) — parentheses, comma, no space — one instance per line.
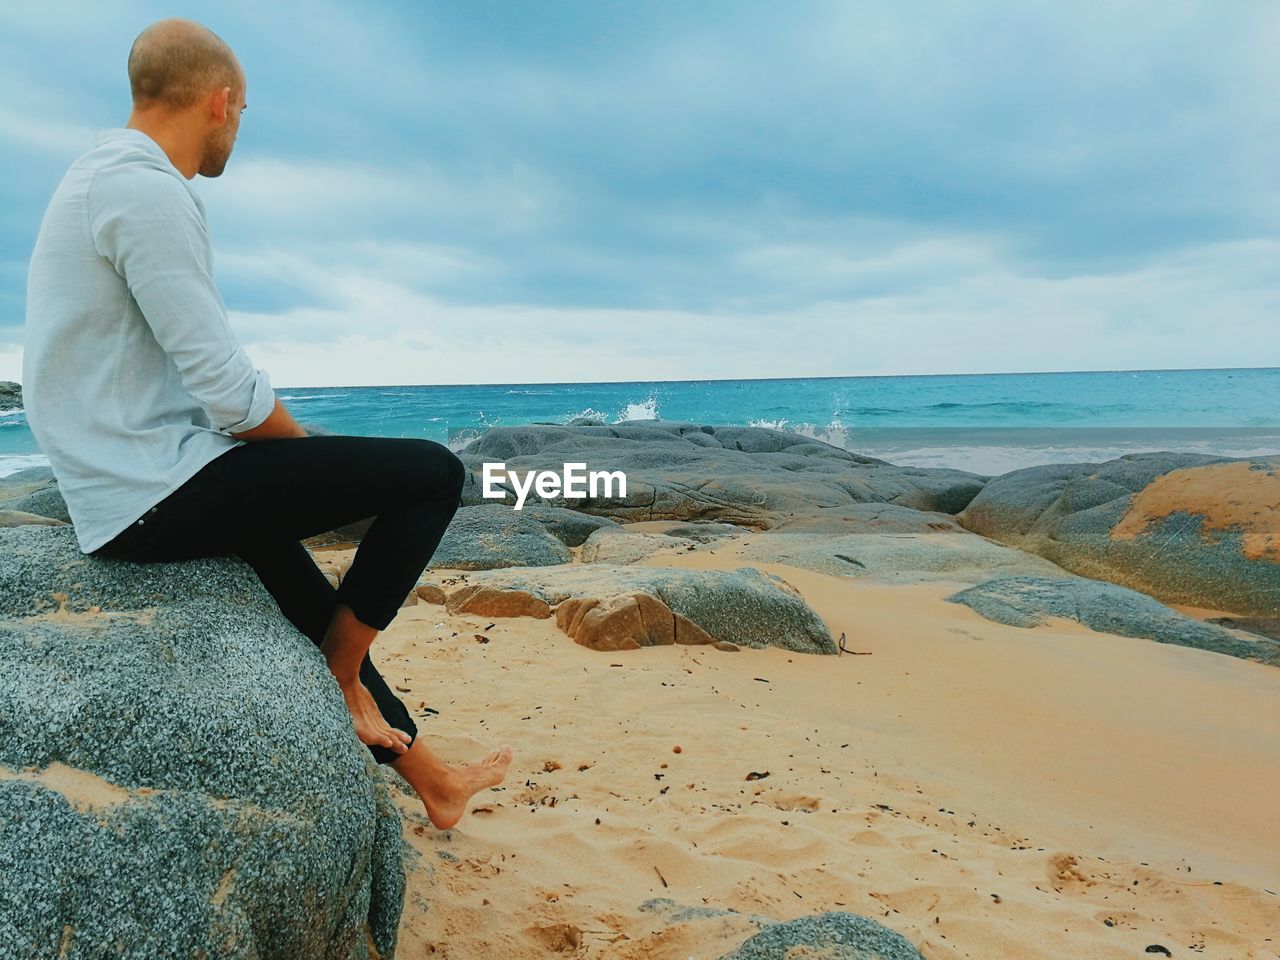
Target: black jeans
(260,499)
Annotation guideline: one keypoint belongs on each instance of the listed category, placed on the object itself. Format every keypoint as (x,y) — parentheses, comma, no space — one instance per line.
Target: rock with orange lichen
(1190,529)
(608,607)
(626,622)
(430,593)
(485,601)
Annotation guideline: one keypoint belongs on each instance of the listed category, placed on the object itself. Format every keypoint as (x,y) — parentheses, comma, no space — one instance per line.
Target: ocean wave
(646,409)
(994,460)
(312,396)
(834,433)
(998,404)
(13,462)
(587,413)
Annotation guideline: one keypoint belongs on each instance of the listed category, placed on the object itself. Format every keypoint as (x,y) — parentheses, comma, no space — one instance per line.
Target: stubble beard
(217,151)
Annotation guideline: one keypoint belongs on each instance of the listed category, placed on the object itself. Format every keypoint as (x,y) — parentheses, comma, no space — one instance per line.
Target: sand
(986,791)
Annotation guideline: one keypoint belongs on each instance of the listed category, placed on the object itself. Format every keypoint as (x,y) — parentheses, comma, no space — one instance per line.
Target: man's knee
(443,462)
(460,477)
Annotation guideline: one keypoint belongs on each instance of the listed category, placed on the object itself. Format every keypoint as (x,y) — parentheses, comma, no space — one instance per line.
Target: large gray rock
(570,527)
(178,772)
(704,532)
(45,502)
(18,518)
(620,545)
(1186,528)
(29,475)
(23,482)
(618,607)
(495,535)
(1107,608)
(899,557)
(753,476)
(881,518)
(10,395)
(827,936)
(1268,627)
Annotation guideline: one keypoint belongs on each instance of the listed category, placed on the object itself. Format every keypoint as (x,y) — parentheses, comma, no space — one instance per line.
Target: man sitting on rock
(165,440)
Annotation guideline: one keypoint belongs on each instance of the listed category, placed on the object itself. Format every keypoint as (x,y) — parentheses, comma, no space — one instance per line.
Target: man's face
(221,141)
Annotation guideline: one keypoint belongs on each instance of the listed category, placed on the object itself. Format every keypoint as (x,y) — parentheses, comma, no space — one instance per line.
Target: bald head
(175,62)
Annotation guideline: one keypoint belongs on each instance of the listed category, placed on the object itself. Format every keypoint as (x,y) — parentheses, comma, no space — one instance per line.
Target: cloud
(659,190)
(25,133)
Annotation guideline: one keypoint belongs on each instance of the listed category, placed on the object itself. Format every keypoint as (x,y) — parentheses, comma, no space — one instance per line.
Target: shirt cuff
(260,406)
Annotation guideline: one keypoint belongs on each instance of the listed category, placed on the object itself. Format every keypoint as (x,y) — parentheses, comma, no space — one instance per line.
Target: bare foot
(446,790)
(371,726)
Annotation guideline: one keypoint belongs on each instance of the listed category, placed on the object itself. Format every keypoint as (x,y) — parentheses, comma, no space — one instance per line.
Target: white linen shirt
(132,378)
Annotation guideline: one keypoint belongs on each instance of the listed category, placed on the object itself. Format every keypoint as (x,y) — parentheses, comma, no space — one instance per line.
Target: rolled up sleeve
(149,226)
(262,400)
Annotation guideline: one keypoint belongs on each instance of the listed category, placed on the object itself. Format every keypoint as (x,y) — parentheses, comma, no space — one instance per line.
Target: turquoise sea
(987,423)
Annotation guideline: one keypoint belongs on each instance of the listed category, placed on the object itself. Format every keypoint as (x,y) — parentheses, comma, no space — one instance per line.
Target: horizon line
(851,376)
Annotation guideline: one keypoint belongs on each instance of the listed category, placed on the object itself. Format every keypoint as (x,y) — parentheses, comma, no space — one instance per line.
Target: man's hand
(279,423)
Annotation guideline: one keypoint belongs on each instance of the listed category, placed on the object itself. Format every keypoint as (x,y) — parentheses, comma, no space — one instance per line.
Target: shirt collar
(135,136)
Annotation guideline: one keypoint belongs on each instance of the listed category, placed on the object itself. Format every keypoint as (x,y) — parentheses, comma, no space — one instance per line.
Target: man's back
(132,377)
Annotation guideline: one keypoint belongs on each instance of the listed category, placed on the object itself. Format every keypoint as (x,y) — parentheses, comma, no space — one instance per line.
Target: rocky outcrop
(1268,627)
(1190,529)
(10,396)
(178,772)
(752,476)
(493,535)
(570,527)
(898,557)
(830,936)
(21,484)
(44,502)
(620,545)
(878,518)
(1107,608)
(607,607)
(19,518)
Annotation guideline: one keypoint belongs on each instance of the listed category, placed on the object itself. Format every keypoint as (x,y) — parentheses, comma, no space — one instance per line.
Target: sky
(488,192)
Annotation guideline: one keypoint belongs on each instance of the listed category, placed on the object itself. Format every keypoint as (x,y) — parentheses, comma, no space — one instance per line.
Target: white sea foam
(995,460)
(646,409)
(996,451)
(834,433)
(588,413)
(13,462)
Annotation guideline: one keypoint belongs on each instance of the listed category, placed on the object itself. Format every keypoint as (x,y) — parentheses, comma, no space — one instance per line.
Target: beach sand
(986,791)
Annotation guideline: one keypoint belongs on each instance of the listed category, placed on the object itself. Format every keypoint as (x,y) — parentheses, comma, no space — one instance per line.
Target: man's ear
(218,104)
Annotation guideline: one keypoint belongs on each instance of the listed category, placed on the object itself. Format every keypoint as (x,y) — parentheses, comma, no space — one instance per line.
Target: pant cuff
(369,614)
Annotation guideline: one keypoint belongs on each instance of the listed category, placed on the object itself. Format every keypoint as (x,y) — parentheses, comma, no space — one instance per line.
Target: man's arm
(279,424)
(149,226)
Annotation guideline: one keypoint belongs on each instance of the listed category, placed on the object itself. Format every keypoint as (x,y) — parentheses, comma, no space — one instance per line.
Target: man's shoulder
(123,172)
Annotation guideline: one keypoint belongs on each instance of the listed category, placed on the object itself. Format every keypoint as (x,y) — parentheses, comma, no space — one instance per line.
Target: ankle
(347,678)
(425,772)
